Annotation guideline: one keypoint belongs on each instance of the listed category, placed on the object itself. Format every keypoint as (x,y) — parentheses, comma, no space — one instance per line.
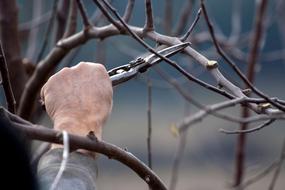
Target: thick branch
(77,142)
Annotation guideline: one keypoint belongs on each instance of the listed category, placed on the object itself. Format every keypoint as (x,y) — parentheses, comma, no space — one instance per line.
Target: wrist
(77,127)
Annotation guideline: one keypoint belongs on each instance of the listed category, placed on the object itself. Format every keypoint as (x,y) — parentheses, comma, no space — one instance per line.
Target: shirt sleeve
(80,172)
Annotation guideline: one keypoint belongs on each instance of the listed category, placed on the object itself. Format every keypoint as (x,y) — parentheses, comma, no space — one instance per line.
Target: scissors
(126,72)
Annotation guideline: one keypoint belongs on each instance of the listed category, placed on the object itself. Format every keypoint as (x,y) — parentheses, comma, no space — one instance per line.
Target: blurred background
(208,161)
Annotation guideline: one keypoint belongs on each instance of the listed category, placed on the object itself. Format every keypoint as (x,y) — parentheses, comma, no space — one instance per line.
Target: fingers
(96,69)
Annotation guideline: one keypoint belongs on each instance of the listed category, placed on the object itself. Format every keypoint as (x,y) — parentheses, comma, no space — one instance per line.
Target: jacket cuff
(80,171)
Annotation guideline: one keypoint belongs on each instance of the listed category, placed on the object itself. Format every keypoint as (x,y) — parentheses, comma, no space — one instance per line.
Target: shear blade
(166,52)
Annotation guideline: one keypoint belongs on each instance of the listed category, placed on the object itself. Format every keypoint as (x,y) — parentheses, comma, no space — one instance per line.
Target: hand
(79,99)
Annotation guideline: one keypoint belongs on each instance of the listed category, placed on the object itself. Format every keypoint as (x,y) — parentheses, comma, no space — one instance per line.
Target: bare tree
(23,76)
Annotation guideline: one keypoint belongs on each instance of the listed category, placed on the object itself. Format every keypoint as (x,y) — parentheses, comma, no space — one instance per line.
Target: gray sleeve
(80,172)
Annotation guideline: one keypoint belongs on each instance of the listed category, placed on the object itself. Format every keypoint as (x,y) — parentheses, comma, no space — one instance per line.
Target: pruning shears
(141,64)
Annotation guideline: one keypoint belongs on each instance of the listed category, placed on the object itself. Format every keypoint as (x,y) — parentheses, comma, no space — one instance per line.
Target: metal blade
(167,52)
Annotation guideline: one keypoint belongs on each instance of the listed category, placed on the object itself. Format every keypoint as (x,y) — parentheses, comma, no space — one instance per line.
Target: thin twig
(189,31)
(259,176)
(98,17)
(192,119)
(11,102)
(232,64)
(33,35)
(200,82)
(35,22)
(129,10)
(71,20)
(149,25)
(236,21)
(278,168)
(149,123)
(184,17)
(177,161)
(263,125)
(275,165)
(61,20)
(108,16)
(168,12)
(48,31)
(190,99)
(83,13)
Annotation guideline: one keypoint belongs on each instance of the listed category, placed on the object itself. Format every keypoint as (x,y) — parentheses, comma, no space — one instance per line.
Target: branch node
(147,178)
(91,135)
(247,91)
(174,130)
(263,106)
(212,64)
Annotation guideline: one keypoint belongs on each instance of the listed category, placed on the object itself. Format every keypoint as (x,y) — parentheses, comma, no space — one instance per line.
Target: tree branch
(177,161)
(129,9)
(11,102)
(72,20)
(232,64)
(184,16)
(61,18)
(189,31)
(108,16)
(149,122)
(149,25)
(48,31)
(9,36)
(83,14)
(254,52)
(64,46)
(33,35)
(263,125)
(78,142)
(278,167)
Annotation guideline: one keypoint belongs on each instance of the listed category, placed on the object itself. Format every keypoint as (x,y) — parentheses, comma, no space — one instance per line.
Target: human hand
(79,99)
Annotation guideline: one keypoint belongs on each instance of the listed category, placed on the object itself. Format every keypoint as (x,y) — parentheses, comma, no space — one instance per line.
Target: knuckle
(64,70)
(101,67)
